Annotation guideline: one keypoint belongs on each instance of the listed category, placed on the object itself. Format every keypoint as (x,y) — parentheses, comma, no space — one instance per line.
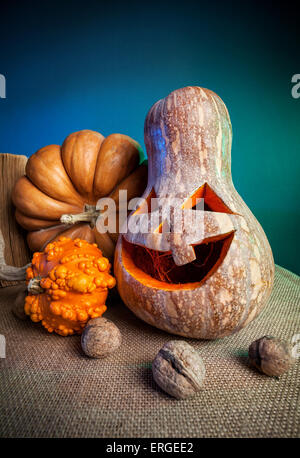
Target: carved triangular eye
(212,202)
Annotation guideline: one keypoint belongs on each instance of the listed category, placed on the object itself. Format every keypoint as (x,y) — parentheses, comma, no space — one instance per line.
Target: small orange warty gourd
(74,278)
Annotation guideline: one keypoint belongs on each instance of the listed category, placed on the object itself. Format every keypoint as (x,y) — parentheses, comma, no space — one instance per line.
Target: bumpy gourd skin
(75,278)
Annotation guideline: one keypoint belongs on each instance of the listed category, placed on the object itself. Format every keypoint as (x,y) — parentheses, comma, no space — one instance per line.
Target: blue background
(101,65)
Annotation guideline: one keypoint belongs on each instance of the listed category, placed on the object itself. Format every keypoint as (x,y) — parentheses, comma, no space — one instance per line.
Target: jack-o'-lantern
(204,283)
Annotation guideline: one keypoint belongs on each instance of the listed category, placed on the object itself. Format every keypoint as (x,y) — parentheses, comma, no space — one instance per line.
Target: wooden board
(16,252)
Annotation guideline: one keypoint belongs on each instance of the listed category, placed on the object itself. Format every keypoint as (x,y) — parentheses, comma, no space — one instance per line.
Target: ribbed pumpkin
(69,283)
(69,180)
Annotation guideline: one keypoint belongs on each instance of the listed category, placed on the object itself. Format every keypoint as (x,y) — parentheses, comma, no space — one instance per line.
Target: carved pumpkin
(69,282)
(69,180)
(200,284)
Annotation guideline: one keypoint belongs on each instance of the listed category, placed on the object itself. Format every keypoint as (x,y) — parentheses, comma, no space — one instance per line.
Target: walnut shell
(178,369)
(271,356)
(100,338)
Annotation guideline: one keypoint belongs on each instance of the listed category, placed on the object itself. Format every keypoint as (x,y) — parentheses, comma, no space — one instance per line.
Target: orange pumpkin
(69,180)
(69,282)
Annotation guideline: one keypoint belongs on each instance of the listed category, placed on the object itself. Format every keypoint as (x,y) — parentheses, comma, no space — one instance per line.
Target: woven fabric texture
(49,388)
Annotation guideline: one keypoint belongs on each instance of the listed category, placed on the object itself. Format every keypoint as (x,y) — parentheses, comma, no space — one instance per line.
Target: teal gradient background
(101,65)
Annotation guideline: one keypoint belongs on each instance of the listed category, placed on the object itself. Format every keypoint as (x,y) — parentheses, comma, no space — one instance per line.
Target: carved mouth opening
(151,265)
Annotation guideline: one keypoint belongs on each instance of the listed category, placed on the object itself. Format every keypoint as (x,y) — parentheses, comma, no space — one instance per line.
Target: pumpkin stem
(34,287)
(89,215)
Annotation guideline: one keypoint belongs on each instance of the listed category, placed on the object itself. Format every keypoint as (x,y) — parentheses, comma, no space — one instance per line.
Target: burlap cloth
(50,389)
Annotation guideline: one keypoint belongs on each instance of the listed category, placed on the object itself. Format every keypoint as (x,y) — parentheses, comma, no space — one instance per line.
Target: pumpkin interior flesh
(212,202)
(160,265)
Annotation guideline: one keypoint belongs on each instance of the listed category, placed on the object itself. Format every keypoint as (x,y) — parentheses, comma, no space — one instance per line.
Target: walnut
(100,338)
(271,356)
(178,369)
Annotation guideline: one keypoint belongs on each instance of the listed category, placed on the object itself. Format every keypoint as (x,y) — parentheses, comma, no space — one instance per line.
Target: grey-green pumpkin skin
(188,139)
